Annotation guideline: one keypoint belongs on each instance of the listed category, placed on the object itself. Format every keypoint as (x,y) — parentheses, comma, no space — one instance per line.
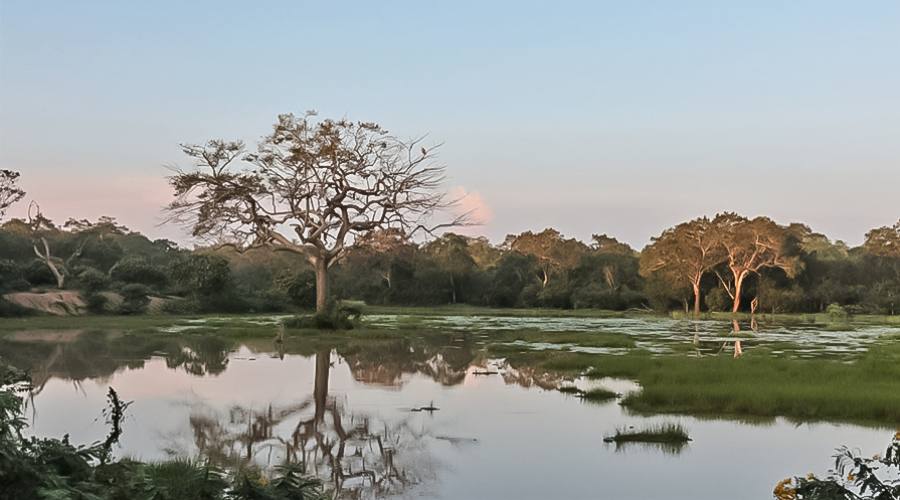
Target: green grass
(599,394)
(667,433)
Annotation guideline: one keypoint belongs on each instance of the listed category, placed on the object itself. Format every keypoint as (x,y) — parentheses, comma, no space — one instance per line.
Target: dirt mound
(71,303)
(59,303)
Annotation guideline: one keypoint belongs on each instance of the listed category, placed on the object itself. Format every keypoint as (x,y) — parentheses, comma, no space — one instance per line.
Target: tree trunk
(321,285)
(452,290)
(48,259)
(696,299)
(546,278)
(320,388)
(738,284)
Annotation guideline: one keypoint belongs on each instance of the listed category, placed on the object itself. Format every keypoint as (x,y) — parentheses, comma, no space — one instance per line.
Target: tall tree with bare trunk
(40,226)
(10,192)
(751,245)
(684,253)
(312,187)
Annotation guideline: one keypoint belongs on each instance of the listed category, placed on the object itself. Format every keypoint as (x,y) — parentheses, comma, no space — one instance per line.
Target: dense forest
(721,264)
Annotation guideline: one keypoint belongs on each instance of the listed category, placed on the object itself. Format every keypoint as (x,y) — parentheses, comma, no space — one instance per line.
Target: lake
(434,419)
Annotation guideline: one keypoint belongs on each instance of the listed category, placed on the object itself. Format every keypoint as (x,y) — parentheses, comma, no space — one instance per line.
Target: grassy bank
(864,391)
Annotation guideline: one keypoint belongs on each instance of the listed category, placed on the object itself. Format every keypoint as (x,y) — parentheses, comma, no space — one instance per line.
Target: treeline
(727,263)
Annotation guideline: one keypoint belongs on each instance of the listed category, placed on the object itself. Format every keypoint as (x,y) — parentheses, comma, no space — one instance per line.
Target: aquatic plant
(667,433)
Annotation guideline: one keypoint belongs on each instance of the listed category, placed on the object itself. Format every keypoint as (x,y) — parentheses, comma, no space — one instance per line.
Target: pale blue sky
(615,117)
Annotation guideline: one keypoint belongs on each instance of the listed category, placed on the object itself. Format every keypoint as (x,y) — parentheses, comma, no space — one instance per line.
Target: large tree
(9,190)
(751,245)
(312,187)
(684,254)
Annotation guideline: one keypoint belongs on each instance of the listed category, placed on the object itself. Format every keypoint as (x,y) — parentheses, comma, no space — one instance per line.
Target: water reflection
(359,454)
(344,410)
(79,355)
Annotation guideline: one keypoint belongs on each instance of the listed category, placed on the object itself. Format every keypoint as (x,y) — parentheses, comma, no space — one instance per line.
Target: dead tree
(41,247)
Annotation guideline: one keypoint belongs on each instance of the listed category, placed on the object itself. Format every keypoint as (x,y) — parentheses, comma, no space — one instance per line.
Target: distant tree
(684,254)
(381,248)
(509,277)
(311,188)
(550,248)
(601,243)
(483,253)
(884,241)
(751,245)
(9,190)
(451,251)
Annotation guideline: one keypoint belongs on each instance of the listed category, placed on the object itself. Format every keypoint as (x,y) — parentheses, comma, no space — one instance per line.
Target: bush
(11,277)
(139,271)
(718,300)
(37,273)
(95,302)
(180,306)
(836,312)
(337,316)
(135,298)
(92,280)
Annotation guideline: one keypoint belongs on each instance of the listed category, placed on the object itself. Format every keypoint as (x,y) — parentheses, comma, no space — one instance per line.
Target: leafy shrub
(138,270)
(135,298)
(95,302)
(180,306)
(12,277)
(337,316)
(92,280)
(718,300)
(854,477)
(37,273)
(836,312)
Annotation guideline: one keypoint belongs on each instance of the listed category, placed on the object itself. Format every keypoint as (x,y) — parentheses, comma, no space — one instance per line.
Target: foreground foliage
(55,469)
(853,477)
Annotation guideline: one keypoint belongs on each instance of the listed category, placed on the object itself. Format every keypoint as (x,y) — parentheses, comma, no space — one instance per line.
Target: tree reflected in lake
(360,455)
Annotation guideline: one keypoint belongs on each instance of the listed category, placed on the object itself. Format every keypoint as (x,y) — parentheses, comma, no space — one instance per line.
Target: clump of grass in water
(668,433)
(597,394)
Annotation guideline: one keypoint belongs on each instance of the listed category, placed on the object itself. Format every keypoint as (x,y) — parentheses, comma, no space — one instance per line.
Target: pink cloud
(474,204)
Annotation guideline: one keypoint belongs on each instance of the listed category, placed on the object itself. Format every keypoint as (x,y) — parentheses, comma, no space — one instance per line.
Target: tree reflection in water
(80,355)
(360,455)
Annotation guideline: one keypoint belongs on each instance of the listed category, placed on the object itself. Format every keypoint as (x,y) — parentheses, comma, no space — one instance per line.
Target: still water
(355,416)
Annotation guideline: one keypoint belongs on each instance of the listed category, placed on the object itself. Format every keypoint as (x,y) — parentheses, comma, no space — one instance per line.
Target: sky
(610,117)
